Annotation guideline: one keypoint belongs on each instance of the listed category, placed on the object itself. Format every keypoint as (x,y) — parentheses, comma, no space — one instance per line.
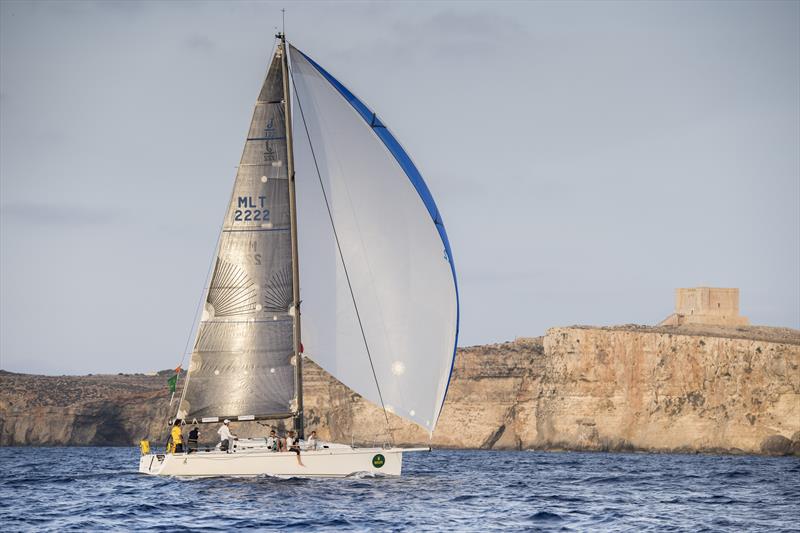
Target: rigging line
(203,297)
(195,321)
(341,255)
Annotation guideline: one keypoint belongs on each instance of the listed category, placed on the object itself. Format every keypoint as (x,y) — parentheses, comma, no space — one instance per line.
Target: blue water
(99,489)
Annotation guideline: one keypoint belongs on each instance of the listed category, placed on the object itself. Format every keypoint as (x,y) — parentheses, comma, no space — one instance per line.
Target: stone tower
(706,305)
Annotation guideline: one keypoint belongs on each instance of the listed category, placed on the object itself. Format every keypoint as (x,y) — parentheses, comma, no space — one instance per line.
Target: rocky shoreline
(683,389)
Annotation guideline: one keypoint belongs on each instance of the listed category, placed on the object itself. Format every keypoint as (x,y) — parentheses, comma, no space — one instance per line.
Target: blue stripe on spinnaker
(413,174)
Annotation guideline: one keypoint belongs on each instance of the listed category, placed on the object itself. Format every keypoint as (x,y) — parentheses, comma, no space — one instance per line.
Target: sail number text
(251,209)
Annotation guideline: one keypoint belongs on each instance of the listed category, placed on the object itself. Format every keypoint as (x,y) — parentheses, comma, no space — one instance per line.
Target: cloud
(456,33)
(39,214)
(200,43)
(449,36)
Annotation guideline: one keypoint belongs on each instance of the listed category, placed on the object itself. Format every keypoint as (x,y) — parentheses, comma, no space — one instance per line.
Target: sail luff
(298,356)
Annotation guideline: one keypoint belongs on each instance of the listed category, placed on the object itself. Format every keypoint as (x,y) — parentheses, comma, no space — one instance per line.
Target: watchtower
(706,305)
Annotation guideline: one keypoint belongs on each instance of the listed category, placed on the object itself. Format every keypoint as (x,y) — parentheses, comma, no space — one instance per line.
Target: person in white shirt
(225,436)
(293,445)
(273,442)
(312,443)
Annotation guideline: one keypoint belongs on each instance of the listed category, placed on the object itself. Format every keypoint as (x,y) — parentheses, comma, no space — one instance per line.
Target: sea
(99,489)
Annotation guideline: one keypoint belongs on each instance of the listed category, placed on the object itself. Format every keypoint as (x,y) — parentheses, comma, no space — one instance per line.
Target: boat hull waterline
(335,463)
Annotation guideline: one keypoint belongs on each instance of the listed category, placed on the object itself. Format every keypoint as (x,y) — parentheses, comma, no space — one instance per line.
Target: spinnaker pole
(298,356)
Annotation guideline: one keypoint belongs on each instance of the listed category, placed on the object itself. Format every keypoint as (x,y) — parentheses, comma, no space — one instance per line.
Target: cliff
(670,388)
(101,410)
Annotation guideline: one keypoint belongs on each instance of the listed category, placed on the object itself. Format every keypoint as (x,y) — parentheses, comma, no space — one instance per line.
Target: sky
(587,158)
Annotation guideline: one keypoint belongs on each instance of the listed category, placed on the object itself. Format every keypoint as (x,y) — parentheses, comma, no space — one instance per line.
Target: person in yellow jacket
(177,437)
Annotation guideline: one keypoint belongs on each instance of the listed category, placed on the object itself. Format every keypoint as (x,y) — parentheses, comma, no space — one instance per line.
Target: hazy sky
(587,158)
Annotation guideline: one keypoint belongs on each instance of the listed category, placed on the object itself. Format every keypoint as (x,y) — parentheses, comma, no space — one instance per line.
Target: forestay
(378,287)
(241,364)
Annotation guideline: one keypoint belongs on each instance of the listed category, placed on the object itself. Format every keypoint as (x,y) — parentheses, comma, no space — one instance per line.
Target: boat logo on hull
(378,461)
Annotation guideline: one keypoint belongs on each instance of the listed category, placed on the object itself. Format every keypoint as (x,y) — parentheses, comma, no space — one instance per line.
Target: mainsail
(242,362)
(378,285)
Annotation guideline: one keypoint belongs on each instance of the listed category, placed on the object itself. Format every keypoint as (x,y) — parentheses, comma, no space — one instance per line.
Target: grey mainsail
(242,362)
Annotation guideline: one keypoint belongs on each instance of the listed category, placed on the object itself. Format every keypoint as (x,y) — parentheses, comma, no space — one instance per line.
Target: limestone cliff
(81,410)
(663,389)
(683,388)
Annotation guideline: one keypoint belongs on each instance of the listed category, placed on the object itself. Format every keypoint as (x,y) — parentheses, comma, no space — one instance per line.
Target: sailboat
(328,216)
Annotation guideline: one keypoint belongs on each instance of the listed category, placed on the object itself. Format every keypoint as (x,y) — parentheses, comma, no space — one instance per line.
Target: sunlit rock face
(669,388)
(672,388)
(682,388)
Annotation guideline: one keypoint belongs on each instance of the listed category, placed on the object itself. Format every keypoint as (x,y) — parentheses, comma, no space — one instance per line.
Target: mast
(298,357)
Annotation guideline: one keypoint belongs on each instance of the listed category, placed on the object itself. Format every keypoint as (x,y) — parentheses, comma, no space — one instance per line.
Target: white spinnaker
(390,295)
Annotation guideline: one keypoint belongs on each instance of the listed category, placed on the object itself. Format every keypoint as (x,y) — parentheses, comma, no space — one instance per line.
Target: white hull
(330,462)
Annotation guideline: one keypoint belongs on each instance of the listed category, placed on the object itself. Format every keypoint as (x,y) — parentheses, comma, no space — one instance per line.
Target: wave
(546,516)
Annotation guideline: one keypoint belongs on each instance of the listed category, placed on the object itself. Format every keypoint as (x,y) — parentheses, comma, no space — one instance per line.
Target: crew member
(177,437)
(273,442)
(293,445)
(192,442)
(225,436)
(312,443)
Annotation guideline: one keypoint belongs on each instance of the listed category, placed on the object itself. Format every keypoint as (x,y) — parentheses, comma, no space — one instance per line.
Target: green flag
(172,382)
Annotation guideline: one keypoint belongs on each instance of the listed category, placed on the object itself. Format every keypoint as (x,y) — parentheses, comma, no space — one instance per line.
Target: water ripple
(98,489)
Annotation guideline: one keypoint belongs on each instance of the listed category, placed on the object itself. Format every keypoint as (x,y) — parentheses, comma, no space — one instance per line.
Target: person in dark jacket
(194,434)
